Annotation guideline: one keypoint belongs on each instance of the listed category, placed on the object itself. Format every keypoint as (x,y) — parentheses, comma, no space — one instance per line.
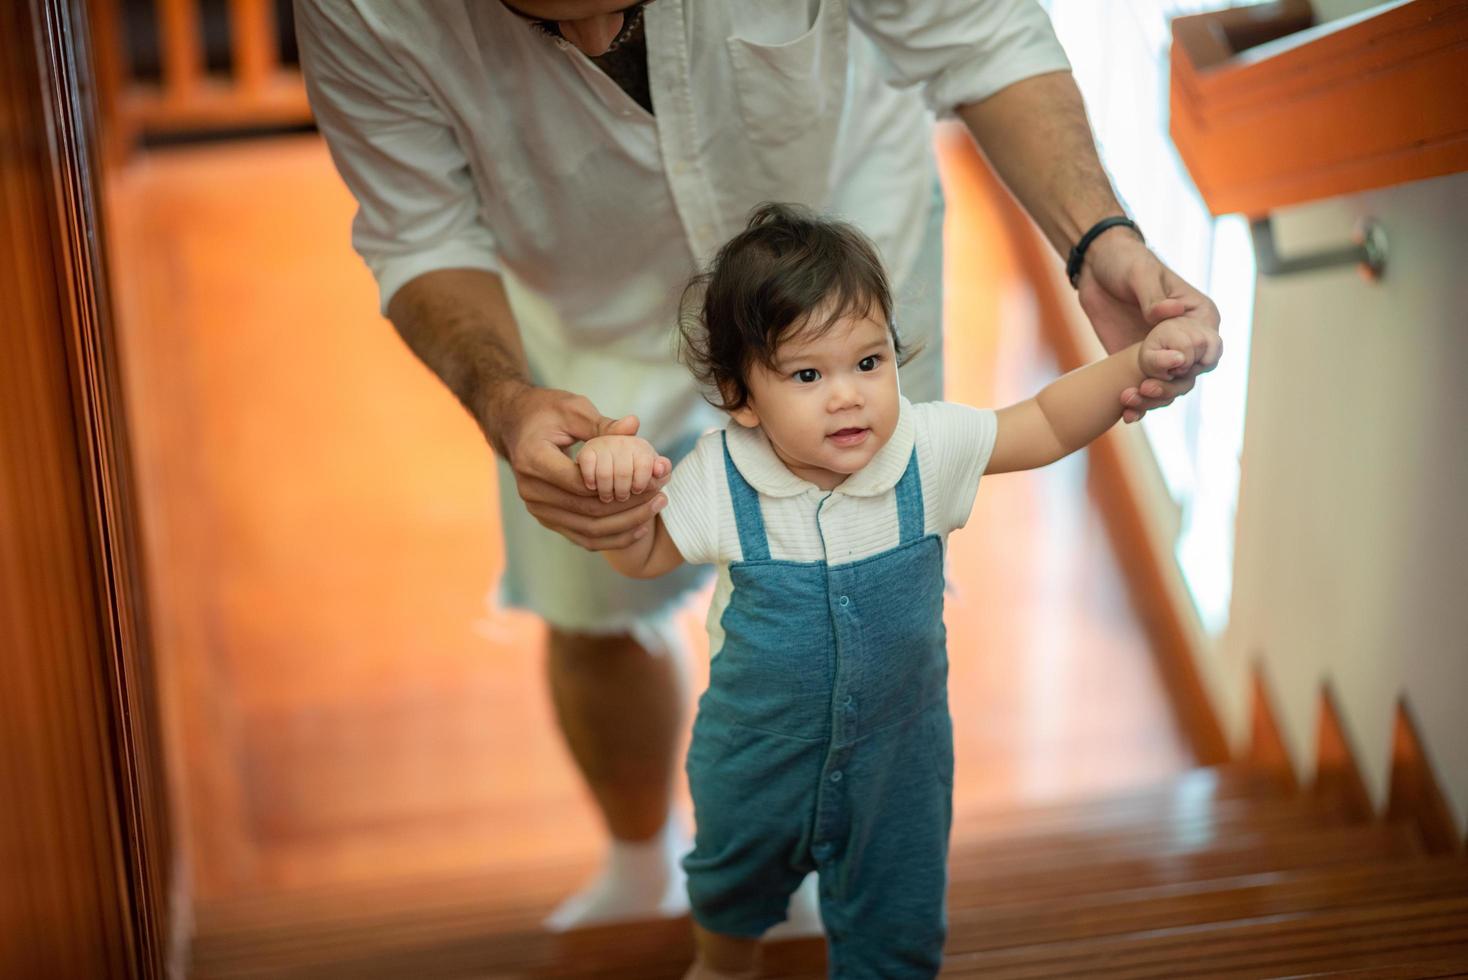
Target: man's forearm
(459,323)
(1036,135)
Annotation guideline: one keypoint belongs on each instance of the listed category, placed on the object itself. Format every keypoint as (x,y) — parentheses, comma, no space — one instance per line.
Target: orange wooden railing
(1344,107)
(257,91)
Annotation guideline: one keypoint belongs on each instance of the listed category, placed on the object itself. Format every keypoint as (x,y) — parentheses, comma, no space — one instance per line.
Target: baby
(824,741)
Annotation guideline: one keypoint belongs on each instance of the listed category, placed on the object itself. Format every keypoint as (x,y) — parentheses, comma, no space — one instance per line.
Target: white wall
(1336,9)
(1351,563)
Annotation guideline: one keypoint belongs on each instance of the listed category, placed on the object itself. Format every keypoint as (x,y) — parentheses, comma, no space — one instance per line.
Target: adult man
(536,180)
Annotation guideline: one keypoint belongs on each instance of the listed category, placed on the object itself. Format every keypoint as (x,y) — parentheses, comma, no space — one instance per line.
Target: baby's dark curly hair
(788,266)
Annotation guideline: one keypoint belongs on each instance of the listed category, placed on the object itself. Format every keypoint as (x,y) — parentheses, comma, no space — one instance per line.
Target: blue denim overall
(824,743)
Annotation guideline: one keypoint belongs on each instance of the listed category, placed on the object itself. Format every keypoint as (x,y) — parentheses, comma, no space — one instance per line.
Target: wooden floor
(345,709)
(1217,873)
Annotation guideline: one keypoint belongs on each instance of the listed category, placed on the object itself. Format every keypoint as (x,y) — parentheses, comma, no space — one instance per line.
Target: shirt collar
(756,461)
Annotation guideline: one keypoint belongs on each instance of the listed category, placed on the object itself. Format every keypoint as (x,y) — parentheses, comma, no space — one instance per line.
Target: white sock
(803,916)
(640,880)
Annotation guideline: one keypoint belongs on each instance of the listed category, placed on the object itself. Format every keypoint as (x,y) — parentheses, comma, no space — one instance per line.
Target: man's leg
(620,708)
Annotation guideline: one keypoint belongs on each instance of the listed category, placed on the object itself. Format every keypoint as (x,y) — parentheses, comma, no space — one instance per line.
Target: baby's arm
(1074,410)
(616,467)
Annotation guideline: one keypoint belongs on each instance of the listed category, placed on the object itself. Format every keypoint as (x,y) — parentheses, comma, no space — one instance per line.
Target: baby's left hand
(1173,347)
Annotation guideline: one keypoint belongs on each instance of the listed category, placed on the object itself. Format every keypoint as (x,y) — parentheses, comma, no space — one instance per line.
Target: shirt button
(845,601)
(836,776)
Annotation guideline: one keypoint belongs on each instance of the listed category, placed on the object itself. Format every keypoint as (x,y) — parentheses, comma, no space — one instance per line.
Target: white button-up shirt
(471,139)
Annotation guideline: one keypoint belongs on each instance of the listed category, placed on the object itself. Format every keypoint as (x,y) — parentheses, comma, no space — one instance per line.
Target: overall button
(836,776)
(845,601)
(847,701)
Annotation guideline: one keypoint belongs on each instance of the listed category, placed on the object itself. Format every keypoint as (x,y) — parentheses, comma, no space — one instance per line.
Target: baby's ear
(746,416)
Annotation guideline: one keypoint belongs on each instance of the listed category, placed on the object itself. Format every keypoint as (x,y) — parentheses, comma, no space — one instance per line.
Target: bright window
(1119,52)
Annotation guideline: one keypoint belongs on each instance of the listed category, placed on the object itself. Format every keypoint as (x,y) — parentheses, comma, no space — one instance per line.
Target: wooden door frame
(79,720)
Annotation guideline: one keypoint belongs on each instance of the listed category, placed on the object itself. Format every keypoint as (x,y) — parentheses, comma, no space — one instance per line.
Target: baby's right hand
(615,467)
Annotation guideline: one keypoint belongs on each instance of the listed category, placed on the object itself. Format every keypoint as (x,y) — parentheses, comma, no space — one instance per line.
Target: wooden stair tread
(501,897)
(1214,823)
(1271,945)
(1200,902)
(1186,792)
(1000,881)
(1441,963)
(455,906)
(1217,867)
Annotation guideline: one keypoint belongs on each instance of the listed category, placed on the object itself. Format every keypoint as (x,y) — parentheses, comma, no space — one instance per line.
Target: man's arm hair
(459,323)
(1036,135)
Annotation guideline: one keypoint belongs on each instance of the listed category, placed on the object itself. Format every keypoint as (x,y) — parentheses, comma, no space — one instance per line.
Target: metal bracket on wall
(1368,253)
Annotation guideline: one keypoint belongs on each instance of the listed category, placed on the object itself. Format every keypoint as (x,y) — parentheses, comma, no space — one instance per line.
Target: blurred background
(262,718)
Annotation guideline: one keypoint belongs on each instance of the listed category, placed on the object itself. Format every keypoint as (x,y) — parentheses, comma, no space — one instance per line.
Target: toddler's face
(832,401)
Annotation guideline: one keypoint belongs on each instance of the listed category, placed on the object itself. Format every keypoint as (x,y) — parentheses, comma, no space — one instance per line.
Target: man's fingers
(610,543)
(563,520)
(1163,309)
(579,417)
(549,463)
(1152,294)
(625,426)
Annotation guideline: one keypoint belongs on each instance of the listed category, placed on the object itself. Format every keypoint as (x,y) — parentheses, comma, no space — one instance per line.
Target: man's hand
(536,426)
(1127,292)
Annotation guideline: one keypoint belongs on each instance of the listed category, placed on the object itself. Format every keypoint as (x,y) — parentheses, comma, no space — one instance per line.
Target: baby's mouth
(846,438)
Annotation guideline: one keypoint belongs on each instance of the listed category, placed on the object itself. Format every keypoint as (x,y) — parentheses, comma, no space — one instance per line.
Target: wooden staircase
(1220,873)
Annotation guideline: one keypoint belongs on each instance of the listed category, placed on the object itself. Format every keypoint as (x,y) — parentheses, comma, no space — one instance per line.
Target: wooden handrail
(258,91)
(1372,102)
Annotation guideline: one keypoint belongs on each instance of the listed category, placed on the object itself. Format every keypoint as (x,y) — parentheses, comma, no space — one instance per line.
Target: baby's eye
(807,376)
(869,363)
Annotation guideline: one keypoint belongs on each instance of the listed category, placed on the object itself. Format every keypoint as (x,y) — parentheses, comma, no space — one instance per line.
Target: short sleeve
(959,51)
(417,206)
(692,517)
(959,440)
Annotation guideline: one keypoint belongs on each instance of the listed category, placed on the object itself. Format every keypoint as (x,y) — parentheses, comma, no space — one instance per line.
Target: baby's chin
(857,460)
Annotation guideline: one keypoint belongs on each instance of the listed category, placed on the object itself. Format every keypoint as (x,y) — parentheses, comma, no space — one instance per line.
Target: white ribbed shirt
(804,523)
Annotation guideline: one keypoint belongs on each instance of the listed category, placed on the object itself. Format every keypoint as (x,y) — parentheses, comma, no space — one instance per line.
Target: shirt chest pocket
(791,91)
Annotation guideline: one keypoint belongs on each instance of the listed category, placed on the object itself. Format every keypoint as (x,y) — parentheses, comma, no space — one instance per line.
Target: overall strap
(752,541)
(910,517)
